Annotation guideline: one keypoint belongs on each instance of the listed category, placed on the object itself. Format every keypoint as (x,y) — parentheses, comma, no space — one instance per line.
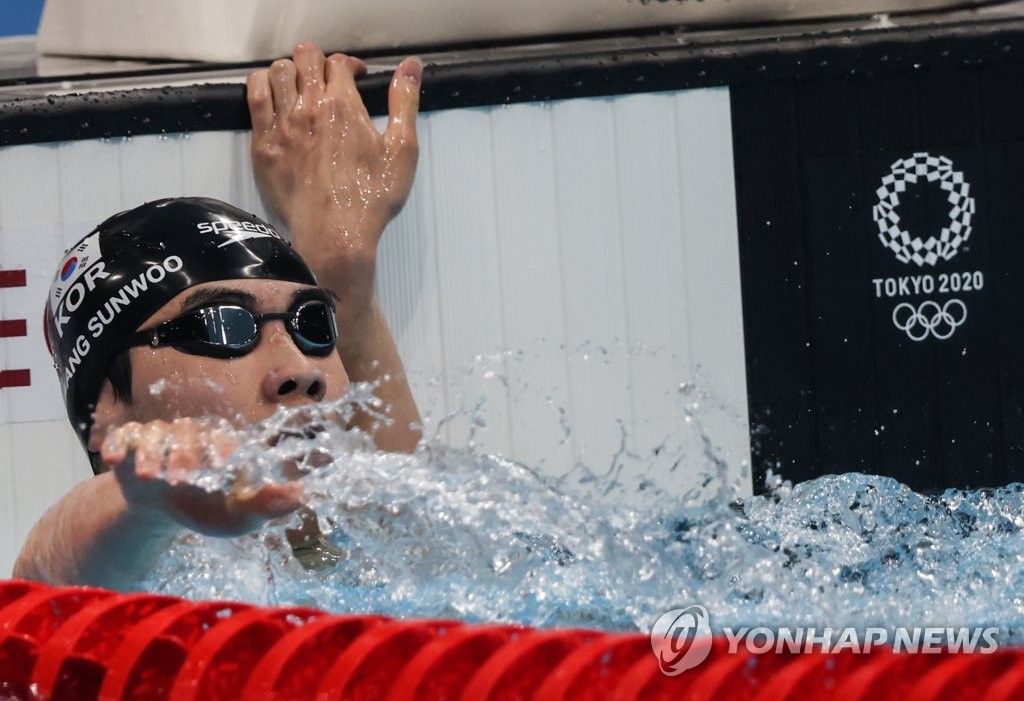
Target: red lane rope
(83,644)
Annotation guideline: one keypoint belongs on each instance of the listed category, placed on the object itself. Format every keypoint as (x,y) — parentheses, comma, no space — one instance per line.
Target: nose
(285,386)
(293,377)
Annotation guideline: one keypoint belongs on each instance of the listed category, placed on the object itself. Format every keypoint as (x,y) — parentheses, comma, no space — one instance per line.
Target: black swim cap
(134,263)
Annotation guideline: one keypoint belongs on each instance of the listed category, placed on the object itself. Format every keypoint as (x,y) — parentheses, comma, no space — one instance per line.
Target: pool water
(453,532)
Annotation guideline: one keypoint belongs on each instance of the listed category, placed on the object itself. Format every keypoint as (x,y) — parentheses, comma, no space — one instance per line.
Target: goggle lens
(315,330)
(229,331)
(231,328)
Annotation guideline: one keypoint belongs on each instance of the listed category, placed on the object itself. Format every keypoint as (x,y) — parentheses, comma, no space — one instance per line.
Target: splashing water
(455,533)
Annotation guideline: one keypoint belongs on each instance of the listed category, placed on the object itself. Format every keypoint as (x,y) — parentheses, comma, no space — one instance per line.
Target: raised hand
(323,168)
(335,181)
(154,464)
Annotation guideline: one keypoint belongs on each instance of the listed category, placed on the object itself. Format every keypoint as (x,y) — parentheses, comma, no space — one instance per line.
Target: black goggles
(230,331)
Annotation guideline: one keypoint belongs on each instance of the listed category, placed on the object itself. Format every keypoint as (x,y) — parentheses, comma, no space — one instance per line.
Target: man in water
(184,309)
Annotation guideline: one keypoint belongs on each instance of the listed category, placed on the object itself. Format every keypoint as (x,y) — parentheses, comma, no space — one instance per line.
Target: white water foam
(452,532)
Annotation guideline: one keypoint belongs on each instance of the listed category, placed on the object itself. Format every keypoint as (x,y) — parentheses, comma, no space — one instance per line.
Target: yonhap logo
(681,639)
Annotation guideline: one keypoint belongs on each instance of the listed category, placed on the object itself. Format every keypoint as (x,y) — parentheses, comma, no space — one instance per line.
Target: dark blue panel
(864,351)
(20,17)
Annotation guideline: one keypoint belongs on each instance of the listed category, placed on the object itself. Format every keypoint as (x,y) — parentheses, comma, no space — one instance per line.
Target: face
(168,383)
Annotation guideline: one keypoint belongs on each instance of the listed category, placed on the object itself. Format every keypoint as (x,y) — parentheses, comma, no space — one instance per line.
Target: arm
(336,182)
(110,530)
(93,536)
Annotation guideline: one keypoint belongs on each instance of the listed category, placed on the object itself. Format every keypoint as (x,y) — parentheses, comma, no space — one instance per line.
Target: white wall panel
(575,262)
(151,169)
(30,208)
(40,456)
(711,244)
(89,177)
(531,284)
(592,276)
(9,516)
(9,522)
(48,461)
(461,163)
(215,164)
(654,272)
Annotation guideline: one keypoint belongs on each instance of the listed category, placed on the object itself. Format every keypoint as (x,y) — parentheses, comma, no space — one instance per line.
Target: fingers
(142,445)
(403,105)
(296,87)
(114,449)
(342,72)
(319,131)
(169,450)
(305,79)
(152,462)
(183,449)
(261,104)
(128,452)
(404,98)
(283,85)
(118,454)
(309,67)
(400,137)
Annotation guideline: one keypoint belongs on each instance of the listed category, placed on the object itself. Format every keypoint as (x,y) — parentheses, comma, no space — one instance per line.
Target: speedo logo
(236,231)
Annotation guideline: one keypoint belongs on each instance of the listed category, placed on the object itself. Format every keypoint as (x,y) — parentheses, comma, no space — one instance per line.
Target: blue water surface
(452,532)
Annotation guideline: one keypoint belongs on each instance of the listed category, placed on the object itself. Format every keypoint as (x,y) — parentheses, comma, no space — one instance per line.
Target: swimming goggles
(230,331)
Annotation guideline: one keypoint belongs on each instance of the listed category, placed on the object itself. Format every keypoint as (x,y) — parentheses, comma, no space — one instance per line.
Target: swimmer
(215,308)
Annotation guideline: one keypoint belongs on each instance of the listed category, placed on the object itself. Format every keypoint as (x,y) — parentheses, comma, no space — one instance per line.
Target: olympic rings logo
(913,249)
(929,319)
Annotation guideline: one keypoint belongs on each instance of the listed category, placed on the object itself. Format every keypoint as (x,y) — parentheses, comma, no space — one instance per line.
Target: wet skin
(168,383)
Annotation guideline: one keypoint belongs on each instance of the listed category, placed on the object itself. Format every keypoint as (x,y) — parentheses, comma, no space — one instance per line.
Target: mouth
(305,432)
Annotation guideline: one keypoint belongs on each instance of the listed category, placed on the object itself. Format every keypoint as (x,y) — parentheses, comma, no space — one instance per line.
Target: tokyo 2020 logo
(923,319)
(915,249)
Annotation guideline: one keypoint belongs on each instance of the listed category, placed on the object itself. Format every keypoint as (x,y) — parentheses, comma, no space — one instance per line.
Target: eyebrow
(219,295)
(314,293)
(230,295)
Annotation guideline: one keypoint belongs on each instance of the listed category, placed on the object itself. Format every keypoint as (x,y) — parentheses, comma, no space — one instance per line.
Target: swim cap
(133,264)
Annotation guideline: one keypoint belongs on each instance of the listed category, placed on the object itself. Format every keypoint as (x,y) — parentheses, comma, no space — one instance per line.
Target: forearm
(93,537)
(369,353)
(367,347)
